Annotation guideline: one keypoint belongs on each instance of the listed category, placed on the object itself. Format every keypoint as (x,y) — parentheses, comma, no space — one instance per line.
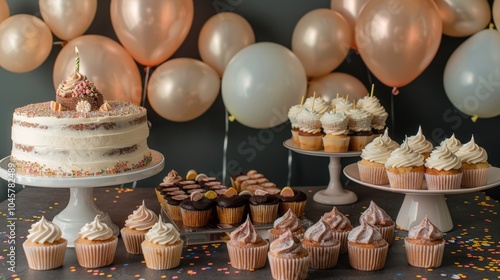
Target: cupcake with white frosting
(420,144)
(318,105)
(95,245)
(162,246)
(336,137)
(443,170)
(405,168)
(136,226)
(372,164)
(360,128)
(343,105)
(44,247)
(372,105)
(310,133)
(475,164)
(452,143)
(388,142)
(293,112)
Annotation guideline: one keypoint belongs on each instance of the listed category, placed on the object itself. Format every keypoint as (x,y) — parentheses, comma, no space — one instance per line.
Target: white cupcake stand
(81,208)
(334,194)
(420,203)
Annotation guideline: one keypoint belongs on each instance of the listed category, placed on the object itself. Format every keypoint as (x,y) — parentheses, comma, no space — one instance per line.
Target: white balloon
(472,75)
(261,83)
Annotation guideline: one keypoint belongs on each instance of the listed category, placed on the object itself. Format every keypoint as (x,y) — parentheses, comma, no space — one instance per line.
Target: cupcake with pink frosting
(475,164)
(367,248)
(425,245)
(322,246)
(287,258)
(340,226)
(289,221)
(136,226)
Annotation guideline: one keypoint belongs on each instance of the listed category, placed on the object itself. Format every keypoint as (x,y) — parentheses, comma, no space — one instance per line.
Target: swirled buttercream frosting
(320,105)
(343,105)
(172,177)
(388,142)
(44,231)
(425,231)
(372,105)
(334,123)
(404,157)
(366,234)
(359,120)
(442,158)
(376,151)
(320,233)
(289,221)
(376,216)
(452,143)
(66,87)
(336,220)
(293,112)
(287,245)
(163,233)
(419,143)
(309,121)
(471,153)
(142,218)
(246,233)
(96,230)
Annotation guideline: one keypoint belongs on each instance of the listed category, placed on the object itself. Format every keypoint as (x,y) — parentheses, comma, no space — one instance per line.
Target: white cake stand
(420,203)
(81,208)
(334,194)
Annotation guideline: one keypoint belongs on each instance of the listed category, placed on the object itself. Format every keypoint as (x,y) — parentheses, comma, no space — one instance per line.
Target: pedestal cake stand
(81,208)
(334,194)
(420,203)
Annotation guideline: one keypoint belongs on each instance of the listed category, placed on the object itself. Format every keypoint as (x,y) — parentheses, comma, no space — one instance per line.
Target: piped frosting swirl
(44,231)
(452,143)
(419,143)
(425,231)
(376,151)
(287,245)
(366,234)
(336,220)
(246,233)
(309,121)
(142,218)
(404,157)
(320,233)
(376,216)
(442,158)
(163,233)
(471,153)
(289,221)
(96,230)
(334,123)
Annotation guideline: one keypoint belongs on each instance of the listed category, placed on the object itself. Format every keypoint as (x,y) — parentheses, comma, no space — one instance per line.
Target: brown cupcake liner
(336,144)
(323,257)
(265,214)
(288,268)
(192,218)
(376,175)
(472,178)
(443,182)
(174,211)
(342,237)
(425,256)
(298,207)
(407,181)
(247,258)
(132,241)
(295,136)
(311,143)
(45,257)
(159,197)
(367,259)
(162,257)
(230,215)
(96,254)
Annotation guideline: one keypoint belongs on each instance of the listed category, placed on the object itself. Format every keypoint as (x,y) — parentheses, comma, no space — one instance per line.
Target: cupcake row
(338,126)
(199,201)
(448,166)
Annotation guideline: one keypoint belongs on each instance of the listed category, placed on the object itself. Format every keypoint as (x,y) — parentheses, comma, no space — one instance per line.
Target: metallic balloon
(321,40)
(496,13)
(464,17)
(151,30)
(350,10)
(337,83)
(182,89)
(105,63)
(397,40)
(221,37)
(25,43)
(4,10)
(68,19)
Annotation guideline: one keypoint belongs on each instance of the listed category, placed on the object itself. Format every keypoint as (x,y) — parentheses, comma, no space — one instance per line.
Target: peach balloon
(337,83)
(105,63)
(321,40)
(151,30)
(182,89)
(463,18)
(4,10)
(68,19)
(221,37)
(350,10)
(496,12)
(25,43)
(397,40)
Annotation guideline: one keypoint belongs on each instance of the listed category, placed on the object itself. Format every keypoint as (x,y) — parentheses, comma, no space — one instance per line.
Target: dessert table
(472,246)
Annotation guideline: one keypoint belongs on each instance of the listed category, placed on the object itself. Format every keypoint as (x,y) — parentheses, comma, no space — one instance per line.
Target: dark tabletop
(472,247)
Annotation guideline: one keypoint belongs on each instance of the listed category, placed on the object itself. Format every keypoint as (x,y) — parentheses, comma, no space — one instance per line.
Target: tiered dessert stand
(81,208)
(334,194)
(420,203)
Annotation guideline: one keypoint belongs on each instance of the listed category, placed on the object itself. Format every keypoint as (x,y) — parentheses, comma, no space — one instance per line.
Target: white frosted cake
(81,135)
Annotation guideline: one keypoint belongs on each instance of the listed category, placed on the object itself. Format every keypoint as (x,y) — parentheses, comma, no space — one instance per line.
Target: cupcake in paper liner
(452,143)
(263,207)
(321,245)
(230,206)
(340,226)
(367,248)
(360,128)
(443,170)
(419,144)
(136,226)
(310,134)
(290,222)
(292,116)
(335,129)
(246,249)
(405,168)
(425,245)
(372,164)
(292,199)
(95,245)
(475,164)
(162,246)
(377,217)
(44,247)
(372,105)
(196,210)
(287,258)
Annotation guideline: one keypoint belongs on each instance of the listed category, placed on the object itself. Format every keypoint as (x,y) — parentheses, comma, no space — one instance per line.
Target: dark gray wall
(198,144)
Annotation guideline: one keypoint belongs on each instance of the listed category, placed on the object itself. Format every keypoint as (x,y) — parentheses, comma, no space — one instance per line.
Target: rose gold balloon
(398,39)
(221,37)
(182,89)
(350,10)
(105,63)
(321,40)
(25,43)
(151,30)
(4,10)
(68,19)
(337,83)
(463,17)
(496,13)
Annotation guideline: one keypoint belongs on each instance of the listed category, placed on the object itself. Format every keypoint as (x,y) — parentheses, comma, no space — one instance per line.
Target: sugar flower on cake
(83,106)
